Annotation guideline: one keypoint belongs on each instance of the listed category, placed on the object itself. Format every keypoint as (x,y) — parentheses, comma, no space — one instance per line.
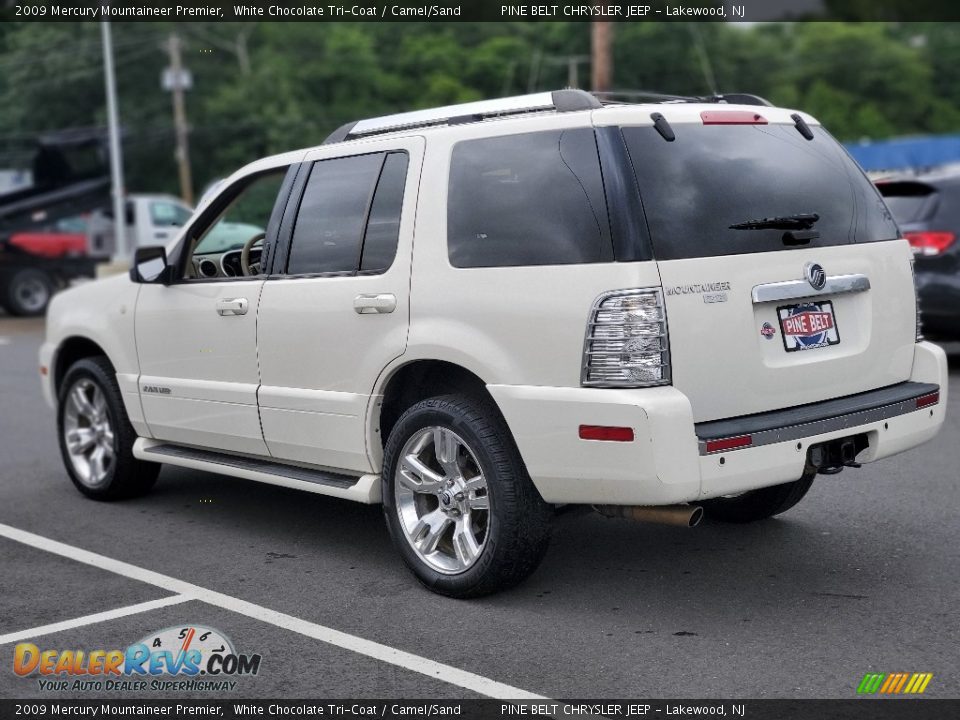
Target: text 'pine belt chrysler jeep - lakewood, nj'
(477,313)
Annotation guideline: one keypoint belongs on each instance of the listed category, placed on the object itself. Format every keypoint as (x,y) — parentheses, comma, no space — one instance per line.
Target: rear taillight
(627,343)
(930,242)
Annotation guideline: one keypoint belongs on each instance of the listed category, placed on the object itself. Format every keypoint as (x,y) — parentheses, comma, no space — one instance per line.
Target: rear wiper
(801,221)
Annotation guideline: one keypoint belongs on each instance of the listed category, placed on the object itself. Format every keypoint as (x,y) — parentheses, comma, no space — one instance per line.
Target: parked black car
(927,208)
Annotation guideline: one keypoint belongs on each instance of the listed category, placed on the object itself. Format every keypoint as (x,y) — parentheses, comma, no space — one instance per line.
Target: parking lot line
(415,663)
(93,619)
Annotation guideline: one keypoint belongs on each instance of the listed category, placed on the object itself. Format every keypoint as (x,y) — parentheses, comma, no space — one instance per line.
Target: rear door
(336,310)
(784,280)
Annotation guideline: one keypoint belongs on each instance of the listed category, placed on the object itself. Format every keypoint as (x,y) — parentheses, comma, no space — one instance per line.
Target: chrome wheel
(32,295)
(442,500)
(88,433)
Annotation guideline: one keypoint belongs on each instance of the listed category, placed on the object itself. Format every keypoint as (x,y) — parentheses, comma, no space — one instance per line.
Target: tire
(489,498)
(92,421)
(757,504)
(27,292)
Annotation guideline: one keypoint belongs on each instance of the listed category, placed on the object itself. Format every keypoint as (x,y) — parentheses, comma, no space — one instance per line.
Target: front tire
(758,504)
(459,505)
(96,437)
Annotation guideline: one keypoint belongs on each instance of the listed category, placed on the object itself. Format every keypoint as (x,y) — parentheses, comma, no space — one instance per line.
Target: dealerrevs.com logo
(187,658)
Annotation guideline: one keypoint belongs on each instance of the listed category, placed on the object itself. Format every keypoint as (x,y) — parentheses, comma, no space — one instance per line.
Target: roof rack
(558,101)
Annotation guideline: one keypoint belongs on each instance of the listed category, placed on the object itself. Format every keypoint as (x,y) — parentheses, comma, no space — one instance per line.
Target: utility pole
(601,48)
(177,80)
(116,161)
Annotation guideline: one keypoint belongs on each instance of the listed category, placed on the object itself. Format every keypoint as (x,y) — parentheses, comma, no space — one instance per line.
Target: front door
(197,337)
(336,312)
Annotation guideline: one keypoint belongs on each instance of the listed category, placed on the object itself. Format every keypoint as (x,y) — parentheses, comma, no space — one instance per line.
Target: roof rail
(558,101)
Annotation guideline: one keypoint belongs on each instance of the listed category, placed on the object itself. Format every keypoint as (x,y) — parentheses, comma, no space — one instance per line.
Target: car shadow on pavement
(592,559)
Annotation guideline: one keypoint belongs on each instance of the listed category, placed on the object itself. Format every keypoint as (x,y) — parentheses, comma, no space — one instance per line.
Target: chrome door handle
(232,306)
(369,304)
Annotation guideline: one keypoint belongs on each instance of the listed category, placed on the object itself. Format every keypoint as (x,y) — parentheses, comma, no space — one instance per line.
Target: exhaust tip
(680,515)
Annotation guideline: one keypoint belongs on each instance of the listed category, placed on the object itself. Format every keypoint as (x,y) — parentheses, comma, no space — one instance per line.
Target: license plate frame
(812,314)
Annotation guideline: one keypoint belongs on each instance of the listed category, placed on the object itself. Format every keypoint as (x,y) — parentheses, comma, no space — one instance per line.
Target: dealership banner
(475,10)
(41,709)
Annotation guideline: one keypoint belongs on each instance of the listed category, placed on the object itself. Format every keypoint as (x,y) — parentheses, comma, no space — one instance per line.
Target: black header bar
(476,10)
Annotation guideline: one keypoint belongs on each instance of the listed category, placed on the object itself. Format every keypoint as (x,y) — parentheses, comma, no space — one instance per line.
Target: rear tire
(96,437)
(459,505)
(27,292)
(757,504)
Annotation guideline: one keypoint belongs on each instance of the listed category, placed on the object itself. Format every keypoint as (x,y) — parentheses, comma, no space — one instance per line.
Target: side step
(364,489)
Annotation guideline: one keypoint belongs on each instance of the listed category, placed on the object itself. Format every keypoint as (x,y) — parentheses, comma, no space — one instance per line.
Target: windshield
(731,189)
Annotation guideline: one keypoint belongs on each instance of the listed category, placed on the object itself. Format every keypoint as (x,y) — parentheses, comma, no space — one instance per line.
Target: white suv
(477,313)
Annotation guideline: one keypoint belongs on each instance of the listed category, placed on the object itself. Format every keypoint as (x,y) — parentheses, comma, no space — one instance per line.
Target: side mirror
(149,265)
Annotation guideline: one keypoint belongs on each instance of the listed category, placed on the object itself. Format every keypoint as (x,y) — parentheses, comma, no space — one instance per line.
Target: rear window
(909,201)
(529,199)
(713,177)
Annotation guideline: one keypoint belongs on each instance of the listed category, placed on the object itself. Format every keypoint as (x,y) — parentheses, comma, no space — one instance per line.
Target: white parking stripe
(424,666)
(93,619)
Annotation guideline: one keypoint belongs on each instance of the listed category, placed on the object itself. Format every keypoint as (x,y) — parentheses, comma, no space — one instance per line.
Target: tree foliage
(264,88)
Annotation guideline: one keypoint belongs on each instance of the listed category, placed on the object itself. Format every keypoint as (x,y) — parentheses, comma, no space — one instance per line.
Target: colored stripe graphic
(894,683)
(871,683)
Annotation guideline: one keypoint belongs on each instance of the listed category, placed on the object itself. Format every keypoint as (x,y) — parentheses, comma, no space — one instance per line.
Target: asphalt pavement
(861,577)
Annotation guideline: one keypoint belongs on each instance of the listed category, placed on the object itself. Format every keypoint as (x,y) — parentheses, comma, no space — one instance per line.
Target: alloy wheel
(442,500)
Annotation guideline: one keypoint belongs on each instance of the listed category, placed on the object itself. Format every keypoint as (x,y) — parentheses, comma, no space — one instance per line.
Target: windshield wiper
(801,221)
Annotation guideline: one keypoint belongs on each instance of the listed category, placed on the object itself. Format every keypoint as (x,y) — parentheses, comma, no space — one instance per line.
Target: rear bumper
(668,462)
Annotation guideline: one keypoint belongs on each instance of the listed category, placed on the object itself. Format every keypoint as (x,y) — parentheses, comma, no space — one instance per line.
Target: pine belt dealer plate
(808,326)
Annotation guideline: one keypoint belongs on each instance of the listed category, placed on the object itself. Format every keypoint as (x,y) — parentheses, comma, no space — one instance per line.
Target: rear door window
(332,218)
(712,178)
(383,225)
(529,199)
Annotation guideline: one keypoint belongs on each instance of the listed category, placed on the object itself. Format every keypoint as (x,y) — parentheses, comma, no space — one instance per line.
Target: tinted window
(531,199)
(383,227)
(333,212)
(712,177)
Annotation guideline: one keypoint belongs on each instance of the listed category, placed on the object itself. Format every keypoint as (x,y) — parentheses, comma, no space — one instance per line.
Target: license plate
(808,325)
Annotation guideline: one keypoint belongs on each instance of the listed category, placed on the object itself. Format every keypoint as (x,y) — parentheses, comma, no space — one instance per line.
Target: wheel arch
(417,380)
(69,351)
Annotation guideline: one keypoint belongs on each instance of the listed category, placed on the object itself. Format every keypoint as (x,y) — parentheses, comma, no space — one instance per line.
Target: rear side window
(333,212)
(909,201)
(711,178)
(530,199)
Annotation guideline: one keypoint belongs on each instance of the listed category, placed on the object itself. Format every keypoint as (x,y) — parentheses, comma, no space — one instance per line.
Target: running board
(364,489)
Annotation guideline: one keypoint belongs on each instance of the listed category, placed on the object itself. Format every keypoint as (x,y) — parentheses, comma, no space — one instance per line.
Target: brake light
(928,400)
(626,342)
(930,242)
(732,117)
(730,443)
(606,432)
